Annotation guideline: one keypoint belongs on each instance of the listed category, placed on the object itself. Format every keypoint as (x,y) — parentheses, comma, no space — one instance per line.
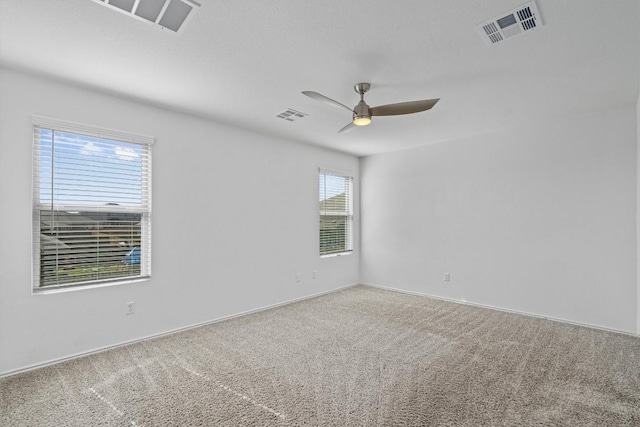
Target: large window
(91,205)
(336,213)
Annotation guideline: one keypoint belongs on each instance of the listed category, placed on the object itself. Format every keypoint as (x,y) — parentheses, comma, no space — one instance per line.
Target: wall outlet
(131,307)
(447,277)
(314,274)
(298,277)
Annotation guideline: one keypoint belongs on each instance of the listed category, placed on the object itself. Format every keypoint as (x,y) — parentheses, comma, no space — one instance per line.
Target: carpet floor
(358,357)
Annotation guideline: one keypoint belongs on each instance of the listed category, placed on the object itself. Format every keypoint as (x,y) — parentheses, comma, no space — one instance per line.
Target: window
(336,213)
(91,205)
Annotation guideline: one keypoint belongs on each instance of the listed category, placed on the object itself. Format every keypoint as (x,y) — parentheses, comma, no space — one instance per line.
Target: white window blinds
(336,212)
(92,205)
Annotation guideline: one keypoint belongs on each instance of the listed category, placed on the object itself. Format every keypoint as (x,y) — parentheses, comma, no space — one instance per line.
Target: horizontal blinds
(335,205)
(92,205)
(84,170)
(84,247)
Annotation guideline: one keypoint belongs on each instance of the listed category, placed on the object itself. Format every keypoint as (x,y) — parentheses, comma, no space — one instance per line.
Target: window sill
(335,255)
(71,288)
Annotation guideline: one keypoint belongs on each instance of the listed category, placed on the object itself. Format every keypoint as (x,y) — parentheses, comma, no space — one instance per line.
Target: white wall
(638,214)
(539,219)
(234,217)
(638,205)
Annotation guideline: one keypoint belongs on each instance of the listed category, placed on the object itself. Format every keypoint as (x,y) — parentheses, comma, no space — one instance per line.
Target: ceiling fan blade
(347,128)
(403,107)
(322,98)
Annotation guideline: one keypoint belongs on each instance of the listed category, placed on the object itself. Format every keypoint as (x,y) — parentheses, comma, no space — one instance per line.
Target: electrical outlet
(314,274)
(131,307)
(447,277)
(298,277)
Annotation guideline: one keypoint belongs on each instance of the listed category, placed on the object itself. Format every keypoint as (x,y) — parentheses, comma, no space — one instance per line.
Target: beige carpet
(358,357)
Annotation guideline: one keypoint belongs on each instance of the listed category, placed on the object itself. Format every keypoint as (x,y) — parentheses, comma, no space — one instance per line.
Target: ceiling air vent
(291,115)
(510,24)
(169,14)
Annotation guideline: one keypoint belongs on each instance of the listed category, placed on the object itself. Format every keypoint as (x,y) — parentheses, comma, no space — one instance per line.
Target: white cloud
(90,148)
(126,153)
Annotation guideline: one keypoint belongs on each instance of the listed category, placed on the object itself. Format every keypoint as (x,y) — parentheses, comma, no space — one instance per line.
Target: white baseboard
(170,332)
(507,310)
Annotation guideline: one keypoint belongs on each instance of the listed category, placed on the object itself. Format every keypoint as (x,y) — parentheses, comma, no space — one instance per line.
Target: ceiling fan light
(362,121)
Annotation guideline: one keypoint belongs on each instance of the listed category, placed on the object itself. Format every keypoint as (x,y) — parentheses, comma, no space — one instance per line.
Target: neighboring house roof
(336,203)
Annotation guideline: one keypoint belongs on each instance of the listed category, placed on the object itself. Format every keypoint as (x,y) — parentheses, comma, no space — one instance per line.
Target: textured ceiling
(242,62)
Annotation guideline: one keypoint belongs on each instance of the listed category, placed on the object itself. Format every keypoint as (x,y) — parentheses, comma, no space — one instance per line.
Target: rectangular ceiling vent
(170,14)
(510,24)
(291,115)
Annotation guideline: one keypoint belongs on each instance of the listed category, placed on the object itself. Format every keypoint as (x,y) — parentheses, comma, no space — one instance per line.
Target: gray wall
(538,219)
(235,216)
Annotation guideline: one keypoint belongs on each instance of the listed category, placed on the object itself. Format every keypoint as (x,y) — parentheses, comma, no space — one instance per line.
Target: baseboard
(506,310)
(170,332)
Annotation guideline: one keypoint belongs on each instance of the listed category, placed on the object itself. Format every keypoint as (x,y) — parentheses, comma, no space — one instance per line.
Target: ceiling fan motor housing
(361,114)
(361,111)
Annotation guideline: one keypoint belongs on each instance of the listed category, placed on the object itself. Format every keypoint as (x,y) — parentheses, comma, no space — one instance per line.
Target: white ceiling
(242,62)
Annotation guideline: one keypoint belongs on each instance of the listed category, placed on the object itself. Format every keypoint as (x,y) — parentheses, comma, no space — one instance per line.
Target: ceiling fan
(362,113)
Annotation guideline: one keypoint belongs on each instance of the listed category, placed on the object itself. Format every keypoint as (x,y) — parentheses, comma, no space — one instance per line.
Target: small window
(91,205)
(336,213)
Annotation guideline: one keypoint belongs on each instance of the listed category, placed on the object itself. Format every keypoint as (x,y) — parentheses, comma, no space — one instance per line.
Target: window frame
(144,210)
(349,246)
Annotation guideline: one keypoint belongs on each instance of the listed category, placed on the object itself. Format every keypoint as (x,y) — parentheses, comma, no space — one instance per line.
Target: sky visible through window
(89,171)
(331,186)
